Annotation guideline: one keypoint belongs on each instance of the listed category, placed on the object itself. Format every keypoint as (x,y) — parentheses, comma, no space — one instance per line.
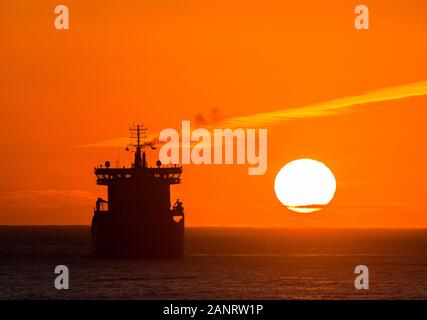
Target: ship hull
(137,239)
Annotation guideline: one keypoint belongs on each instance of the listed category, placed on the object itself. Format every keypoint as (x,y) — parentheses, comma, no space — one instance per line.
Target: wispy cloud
(321,109)
(49,198)
(116,142)
(332,107)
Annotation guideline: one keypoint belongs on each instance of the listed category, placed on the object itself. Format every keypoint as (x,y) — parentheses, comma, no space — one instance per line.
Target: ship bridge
(139,170)
(169,175)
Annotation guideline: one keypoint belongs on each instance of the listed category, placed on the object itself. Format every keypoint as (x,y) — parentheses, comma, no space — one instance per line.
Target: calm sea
(220,264)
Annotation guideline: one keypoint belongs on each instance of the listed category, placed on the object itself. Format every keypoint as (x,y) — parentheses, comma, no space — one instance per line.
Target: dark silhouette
(137,220)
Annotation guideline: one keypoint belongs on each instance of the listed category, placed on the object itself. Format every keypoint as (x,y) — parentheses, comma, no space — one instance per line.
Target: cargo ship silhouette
(137,221)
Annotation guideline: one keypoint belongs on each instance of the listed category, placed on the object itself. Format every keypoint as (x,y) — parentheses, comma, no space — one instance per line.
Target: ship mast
(138,131)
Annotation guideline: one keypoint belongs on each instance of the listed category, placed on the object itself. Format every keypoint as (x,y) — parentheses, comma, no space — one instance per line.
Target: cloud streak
(116,142)
(321,109)
(332,107)
(49,198)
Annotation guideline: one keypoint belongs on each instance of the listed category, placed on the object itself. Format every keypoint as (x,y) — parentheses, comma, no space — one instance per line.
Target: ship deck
(171,175)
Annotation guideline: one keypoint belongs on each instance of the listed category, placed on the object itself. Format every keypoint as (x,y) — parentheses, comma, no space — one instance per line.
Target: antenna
(137,133)
(118,157)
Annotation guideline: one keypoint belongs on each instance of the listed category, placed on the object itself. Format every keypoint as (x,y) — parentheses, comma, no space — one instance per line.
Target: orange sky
(162,62)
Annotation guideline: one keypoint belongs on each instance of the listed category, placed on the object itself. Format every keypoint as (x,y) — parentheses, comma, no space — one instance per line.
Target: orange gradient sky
(162,62)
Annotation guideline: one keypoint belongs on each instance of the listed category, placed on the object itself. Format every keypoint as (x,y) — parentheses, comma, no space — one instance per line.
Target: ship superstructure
(137,220)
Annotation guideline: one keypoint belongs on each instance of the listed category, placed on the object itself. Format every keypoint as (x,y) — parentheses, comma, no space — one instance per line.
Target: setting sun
(305,185)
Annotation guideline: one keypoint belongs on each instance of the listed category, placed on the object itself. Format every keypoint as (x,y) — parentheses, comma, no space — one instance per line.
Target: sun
(305,185)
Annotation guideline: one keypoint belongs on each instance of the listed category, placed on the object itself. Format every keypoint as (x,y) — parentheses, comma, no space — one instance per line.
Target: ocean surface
(220,263)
